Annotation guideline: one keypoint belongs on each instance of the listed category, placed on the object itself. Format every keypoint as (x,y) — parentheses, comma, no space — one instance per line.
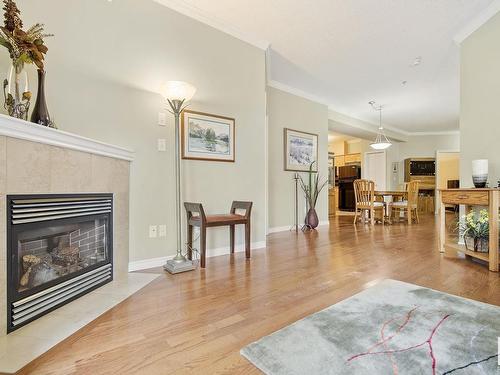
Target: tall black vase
(40,114)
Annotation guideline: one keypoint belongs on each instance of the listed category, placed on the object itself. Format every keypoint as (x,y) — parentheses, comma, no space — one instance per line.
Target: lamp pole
(177,95)
(176,106)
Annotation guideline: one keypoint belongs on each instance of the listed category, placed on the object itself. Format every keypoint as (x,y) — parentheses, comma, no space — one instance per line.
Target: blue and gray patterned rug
(391,328)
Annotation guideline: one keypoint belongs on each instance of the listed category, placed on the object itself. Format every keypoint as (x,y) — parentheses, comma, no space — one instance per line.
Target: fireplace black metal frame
(12,271)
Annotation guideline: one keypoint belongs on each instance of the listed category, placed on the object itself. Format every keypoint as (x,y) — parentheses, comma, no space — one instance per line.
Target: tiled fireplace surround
(55,162)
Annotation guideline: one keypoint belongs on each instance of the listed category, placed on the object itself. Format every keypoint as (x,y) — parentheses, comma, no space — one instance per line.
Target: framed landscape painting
(301,149)
(207,137)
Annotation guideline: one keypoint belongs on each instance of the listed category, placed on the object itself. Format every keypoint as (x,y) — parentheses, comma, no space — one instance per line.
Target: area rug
(390,328)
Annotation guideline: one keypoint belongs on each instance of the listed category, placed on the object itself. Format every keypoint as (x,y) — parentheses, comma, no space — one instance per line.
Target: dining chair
(408,205)
(364,192)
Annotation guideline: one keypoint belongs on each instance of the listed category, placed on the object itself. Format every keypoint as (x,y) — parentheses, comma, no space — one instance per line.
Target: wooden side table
(471,197)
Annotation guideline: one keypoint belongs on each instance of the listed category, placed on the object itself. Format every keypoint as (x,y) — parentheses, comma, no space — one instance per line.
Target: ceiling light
(381,141)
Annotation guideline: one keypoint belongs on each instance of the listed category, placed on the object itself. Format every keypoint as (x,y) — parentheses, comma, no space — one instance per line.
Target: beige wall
(448,168)
(358,146)
(420,146)
(352,146)
(33,168)
(480,90)
(104,68)
(289,111)
(337,147)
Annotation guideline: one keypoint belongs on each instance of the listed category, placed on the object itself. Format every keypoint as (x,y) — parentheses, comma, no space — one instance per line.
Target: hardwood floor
(197,322)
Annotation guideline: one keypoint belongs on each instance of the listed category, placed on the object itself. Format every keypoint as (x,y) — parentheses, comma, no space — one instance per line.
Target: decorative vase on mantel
(40,114)
(16,91)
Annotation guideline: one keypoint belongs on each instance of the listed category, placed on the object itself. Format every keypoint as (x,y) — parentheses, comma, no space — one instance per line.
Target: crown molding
(477,22)
(319,100)
(210,20)
(444,132)
(297,92)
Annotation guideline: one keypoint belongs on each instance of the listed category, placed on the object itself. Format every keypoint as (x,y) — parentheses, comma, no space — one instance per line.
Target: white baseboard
(239,248)
(144,264)
(158,262)
(287,228)
(279,229)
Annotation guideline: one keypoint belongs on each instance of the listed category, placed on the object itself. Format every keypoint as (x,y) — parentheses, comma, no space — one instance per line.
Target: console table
(472,197)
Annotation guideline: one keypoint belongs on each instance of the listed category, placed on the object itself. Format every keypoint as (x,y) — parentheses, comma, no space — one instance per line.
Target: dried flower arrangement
(25,47)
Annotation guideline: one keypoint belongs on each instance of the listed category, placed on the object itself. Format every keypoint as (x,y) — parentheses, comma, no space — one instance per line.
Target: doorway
(375,168)
(447,171)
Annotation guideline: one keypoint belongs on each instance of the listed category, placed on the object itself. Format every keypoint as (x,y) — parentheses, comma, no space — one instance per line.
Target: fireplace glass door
(59,247)
(56,250)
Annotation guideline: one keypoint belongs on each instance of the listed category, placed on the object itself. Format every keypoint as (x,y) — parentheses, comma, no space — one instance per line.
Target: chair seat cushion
(402,204)
(367,204)
(222,219)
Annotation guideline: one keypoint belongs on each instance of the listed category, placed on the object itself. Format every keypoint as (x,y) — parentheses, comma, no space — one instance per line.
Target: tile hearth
(27,343)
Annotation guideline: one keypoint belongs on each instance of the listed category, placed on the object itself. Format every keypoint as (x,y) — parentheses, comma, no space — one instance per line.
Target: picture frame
(205,136)
(300,150)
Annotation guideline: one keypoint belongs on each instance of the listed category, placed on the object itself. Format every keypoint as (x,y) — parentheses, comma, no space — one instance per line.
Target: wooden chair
(364,192)
(408,205)
(196,218)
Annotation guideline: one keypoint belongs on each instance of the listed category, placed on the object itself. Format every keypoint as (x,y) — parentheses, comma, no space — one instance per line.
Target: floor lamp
(177,94)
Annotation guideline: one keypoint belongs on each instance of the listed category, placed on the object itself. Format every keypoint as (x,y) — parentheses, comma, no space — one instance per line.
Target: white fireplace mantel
(16,128)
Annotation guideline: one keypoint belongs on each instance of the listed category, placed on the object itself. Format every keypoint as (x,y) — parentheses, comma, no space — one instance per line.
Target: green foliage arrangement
(314,186)
(475,225)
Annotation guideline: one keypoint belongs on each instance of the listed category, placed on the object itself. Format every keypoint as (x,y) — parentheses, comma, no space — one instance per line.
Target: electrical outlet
(163,230)
(162,119)
(153,231)
(162,145)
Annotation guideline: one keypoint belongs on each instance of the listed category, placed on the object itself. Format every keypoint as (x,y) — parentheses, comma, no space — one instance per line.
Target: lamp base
(174,267)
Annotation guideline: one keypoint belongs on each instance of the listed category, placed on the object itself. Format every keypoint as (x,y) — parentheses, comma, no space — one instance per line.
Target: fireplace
(59,247)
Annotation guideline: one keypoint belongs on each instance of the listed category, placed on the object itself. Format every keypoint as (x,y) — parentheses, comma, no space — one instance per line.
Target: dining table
(395,194)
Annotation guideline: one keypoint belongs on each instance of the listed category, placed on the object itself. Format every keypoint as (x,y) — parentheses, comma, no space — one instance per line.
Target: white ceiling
(346,53)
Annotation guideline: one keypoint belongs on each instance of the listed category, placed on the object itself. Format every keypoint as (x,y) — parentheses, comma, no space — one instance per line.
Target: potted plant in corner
(311,192)
(475,230)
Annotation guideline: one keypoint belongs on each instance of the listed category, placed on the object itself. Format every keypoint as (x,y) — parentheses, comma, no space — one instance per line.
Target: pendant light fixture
(381,142)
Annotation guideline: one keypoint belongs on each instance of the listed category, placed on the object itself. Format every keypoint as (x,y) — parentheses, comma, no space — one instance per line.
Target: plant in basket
(475,230)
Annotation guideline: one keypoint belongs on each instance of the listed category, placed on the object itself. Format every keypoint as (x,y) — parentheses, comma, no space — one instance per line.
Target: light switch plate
(162,119)
(163,230)
(153,231)
(162,144)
